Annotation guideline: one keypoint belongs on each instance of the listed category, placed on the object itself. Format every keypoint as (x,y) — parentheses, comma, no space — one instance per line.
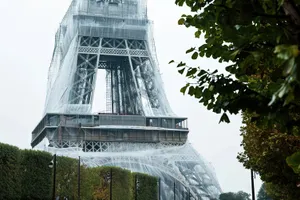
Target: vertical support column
(115,87)
(139,107)
(96,72)
(120,91)
(108,91)
(128,102)
(117,90)
(112,87)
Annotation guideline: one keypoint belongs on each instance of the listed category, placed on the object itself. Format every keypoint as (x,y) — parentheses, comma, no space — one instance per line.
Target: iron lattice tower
(138,129)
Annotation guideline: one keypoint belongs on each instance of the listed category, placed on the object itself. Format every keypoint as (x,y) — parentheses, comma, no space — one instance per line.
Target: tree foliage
(235,196)
(259,40)
(262,193)
(265,151)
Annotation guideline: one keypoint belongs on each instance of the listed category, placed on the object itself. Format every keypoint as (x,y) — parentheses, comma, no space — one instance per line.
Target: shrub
(36,176)
(146,186)
(9,172)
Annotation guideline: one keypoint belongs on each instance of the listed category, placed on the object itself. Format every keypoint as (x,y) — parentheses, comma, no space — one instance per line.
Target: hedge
(66,177)
(35,174)
(9,172)
(146,187)
(25,175)
(99,182)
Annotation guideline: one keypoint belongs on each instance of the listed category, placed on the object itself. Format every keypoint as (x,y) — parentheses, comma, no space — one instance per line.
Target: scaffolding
(138,131)
(90,34)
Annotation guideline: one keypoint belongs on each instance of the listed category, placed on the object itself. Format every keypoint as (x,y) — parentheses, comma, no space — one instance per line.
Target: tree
(262,193)
(259,39)
(265,150)
(235,196)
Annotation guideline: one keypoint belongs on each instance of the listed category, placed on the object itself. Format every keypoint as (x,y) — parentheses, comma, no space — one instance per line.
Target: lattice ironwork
(136,44)
(87,41)
(147,75)
(99,2)
(83,83)
(92,50)
(110,51)
(113,43)
(136,52)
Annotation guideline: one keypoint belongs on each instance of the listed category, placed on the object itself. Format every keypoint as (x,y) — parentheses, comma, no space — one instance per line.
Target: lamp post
(79,178)
(252,185)
(136,188)
(110,186)
(53,165)
(158,188)
(174,191)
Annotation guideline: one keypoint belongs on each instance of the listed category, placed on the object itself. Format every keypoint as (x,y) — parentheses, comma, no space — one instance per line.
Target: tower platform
(67,130)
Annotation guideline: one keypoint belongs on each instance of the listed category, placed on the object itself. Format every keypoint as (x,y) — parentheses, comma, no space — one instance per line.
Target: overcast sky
(27,40)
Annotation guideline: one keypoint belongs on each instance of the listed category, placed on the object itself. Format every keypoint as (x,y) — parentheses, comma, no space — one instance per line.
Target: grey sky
(27,40)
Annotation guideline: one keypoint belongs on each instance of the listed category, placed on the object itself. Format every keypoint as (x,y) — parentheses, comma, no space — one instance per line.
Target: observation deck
(78,128)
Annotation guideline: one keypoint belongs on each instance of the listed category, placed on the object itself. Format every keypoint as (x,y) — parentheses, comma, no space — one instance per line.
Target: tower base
(179,167)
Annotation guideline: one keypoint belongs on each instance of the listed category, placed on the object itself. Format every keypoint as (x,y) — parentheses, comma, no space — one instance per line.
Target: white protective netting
(180,164)
(127,20)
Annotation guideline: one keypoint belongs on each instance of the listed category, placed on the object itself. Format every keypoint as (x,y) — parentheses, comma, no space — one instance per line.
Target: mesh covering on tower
(137,129)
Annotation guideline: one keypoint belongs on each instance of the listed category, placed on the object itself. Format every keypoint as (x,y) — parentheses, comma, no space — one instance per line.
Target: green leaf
(210,106)
(290,97)
(192,71)
(278,39)
(171,61)
(214,72)
(198,92)
(195,55)
(197,34)
(289,66)
(280,3)
(224,118)
(286,51)
(234,54)
(181,64)
(201,72)
(181,21)
(181,71)
(190,50)
(294,161)
(191,91)
(183,90)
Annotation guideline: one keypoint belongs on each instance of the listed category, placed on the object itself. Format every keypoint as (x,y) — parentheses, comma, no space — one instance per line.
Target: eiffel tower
(137,129)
